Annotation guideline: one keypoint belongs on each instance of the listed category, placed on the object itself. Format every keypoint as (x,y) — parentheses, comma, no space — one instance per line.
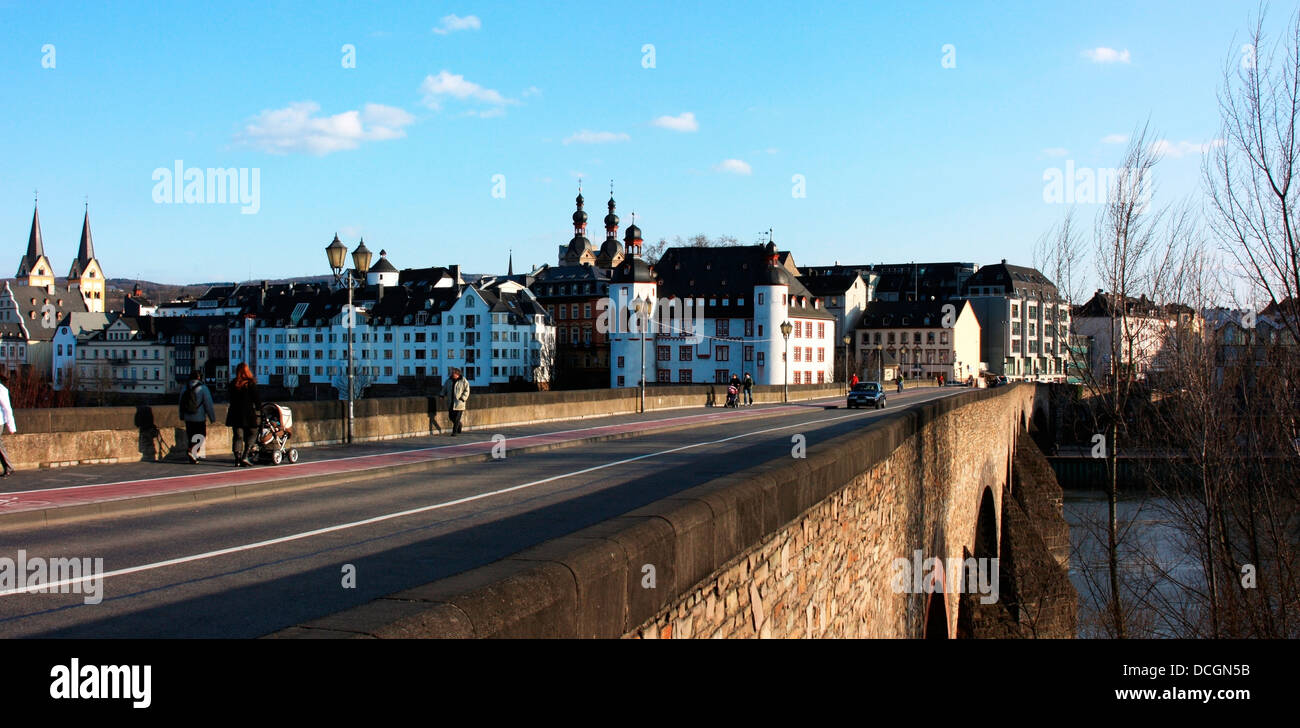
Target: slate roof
(1028,282)
(729,272)
(32,299)
(906,314)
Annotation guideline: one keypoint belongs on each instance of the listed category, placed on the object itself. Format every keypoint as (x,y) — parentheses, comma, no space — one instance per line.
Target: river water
(1157,564)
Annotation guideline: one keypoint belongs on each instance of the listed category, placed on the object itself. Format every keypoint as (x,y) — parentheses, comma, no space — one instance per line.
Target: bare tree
(1251,174)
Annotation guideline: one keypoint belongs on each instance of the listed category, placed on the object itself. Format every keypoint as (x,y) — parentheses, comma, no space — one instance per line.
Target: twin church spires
(34,269)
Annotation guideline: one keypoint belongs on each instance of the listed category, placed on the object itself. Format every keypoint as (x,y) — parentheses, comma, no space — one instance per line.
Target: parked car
(866,394)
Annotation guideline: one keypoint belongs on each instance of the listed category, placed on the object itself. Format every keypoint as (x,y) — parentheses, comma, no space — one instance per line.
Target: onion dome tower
(579,250)
(611,251)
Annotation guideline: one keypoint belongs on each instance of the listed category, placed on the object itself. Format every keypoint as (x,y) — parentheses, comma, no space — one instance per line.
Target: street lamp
(336,252)
(641,308)
(786,328)
(847,339)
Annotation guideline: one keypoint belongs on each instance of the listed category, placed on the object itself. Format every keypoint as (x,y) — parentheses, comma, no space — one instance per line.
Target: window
(929,338)
(664,376)
(796,353)
(798,329)
(663,353)
(760,299)
(684,375)
(796,374)
(685,353)
(620,363)
(620,378)
(749,353)
(722,327)
(821,354)
(723,353)
(761,356)
(821,330)
(721,376)
(749,325)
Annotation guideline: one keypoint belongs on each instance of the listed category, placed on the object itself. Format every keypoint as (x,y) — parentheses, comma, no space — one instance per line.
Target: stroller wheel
(276,457)
(293,454)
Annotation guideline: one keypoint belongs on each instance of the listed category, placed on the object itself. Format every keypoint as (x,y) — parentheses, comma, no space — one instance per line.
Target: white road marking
(410,512)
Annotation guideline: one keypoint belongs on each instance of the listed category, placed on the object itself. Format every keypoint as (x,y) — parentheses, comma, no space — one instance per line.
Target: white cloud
(453,23)
(1106,55)
(1166,148)
(531,91)
(1055,152)
(437,89)
(683,122)
(297,128)
(1115,139)
(734,166)
(596,137)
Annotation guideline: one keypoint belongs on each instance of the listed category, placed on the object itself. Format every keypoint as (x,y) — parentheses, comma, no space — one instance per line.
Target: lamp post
(786,328)
(847,339)
(639,307)
(336,252)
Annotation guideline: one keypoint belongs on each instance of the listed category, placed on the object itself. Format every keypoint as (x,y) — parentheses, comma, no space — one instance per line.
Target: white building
(406,326)
(1024,320)
(718,313)
(921,339)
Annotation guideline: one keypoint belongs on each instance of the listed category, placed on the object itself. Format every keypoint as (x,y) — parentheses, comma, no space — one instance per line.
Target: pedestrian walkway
(171,482)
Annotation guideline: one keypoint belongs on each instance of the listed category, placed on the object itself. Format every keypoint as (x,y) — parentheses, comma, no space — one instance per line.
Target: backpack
(190,400)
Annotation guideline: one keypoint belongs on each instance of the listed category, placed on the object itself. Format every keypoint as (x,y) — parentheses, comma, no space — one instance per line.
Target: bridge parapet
(791,548)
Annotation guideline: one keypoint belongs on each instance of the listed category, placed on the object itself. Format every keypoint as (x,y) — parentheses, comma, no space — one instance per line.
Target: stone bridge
(796,547)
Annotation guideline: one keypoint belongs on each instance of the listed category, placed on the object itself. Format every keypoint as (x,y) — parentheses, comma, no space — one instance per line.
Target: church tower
(86,273)
(34,269)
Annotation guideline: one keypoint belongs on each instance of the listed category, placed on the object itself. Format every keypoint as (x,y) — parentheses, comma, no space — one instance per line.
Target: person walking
(241,418)
(7,423)
(900,383)
(854,381)
(749,390)
(456,390)
(196,411)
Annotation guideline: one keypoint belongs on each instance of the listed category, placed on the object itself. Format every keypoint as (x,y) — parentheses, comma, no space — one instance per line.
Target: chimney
(1004,261)
(455,274)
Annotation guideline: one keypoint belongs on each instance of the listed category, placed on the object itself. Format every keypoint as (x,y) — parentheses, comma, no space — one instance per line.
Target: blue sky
(903,158)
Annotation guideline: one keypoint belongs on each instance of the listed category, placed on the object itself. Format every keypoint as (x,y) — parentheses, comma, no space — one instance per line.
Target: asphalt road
(250,567)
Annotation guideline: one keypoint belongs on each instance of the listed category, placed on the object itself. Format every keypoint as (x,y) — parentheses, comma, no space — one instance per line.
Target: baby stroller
(275,428)
(733,396)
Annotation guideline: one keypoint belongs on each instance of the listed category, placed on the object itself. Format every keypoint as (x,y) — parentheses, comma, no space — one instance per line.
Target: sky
(444,133)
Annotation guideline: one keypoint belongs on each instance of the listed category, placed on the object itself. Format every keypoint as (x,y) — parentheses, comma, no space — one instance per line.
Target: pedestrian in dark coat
(241,418)
(196,411)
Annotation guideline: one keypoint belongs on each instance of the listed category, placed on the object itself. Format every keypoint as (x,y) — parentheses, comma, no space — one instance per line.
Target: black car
(867,394)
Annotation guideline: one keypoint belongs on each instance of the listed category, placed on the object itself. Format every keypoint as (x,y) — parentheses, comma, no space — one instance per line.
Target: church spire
(34,266)
(35,245)
(510,264)
(87,250)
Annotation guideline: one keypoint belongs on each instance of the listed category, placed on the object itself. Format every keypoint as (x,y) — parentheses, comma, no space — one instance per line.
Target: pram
(274,430)
(733,396)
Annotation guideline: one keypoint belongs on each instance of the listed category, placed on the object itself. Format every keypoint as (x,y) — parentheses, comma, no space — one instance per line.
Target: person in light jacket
(196,411)
(6,422)
(456,390)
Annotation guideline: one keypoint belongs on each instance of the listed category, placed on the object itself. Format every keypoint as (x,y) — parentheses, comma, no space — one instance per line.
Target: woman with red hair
(245,404)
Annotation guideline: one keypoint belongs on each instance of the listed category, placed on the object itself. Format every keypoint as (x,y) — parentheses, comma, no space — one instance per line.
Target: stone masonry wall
(789,548)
